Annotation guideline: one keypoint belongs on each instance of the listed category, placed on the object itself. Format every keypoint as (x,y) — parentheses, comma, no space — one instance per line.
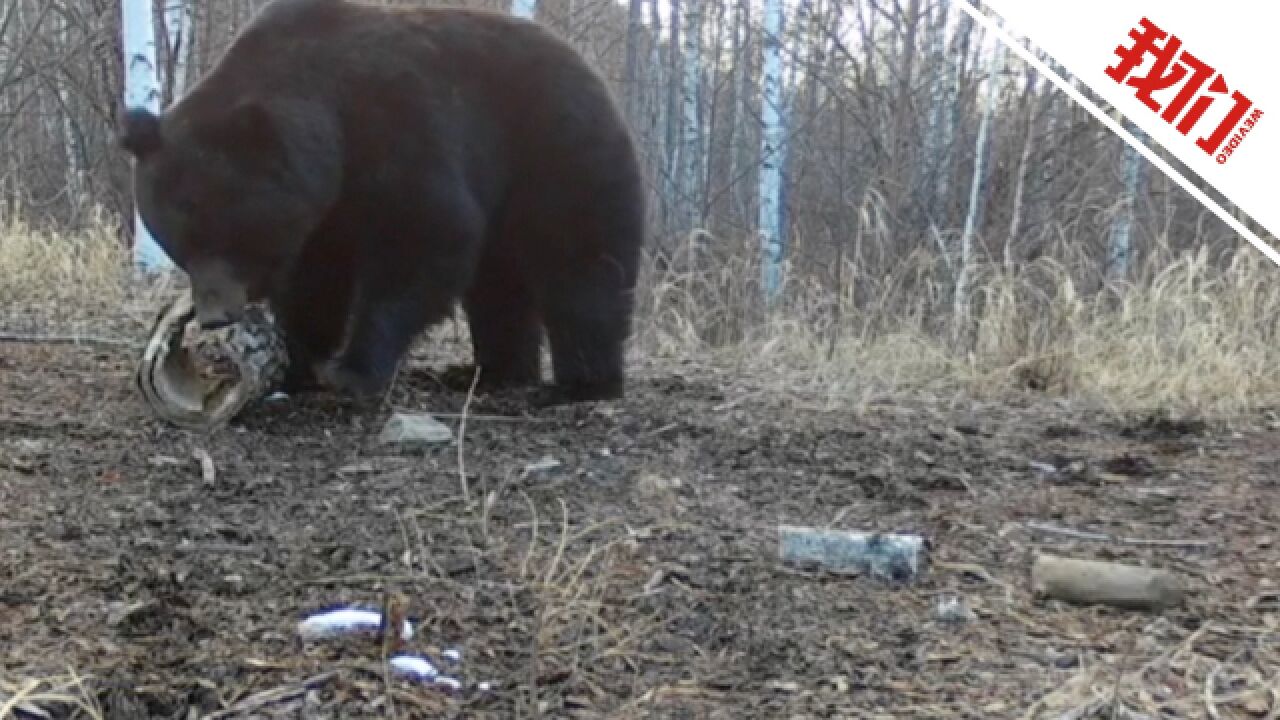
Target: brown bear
(361,168)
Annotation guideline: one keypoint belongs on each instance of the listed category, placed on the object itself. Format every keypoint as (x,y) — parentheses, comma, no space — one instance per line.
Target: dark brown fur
(364,167)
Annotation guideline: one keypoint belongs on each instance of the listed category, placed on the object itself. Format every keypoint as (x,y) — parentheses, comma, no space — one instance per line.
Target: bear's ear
(140,132)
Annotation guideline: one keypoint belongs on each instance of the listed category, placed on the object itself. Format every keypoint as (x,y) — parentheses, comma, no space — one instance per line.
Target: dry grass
(40,698)
(1216,671)
(57,274)
(1190,335)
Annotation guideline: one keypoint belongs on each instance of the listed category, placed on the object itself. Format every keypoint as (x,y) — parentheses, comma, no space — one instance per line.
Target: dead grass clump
(66,696)
(53,275)
(1188,335)
(1216,671)
(584,626)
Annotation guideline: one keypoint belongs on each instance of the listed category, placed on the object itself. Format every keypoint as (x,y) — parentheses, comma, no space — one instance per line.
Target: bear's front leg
(383,324)
(381,331)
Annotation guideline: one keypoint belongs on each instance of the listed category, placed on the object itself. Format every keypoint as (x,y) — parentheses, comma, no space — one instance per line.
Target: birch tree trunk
(635,17)
(73,145)
(1121,244)
(736,83)
(671,159)
(690,162)
(141,90)
(937,165)
(713,81)
(524,8)
(975,192)
(773,137)
(1021,171)
(177,24)
(740,152)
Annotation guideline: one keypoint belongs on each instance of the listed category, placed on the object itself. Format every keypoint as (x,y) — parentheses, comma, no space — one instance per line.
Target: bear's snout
(219,299)
(215,322)
(214,316)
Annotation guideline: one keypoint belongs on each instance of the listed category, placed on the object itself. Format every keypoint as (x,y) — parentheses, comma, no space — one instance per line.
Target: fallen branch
(462,435)
(1104,537)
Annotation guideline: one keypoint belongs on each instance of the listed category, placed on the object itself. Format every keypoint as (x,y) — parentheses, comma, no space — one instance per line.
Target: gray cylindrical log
(203,379)
(1091,582)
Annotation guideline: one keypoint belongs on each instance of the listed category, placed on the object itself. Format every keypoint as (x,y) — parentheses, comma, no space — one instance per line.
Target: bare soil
(639,577)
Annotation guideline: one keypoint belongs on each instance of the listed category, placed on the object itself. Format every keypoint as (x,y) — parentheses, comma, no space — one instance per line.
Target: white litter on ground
(451,683)
(350,620)
(417,667)
(346,621)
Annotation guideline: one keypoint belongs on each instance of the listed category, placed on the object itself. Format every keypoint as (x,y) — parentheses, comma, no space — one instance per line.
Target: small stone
(1043,468)
(953,610)
(164,461)
(546,464)
(651,484)
(1257,704)
(414,430)
(782,686)
(360,468)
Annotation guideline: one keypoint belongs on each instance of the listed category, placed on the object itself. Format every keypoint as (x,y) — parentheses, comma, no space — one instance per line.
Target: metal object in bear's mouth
(202,379)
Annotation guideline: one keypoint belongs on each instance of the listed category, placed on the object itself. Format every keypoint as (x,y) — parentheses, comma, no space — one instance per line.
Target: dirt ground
(637,578)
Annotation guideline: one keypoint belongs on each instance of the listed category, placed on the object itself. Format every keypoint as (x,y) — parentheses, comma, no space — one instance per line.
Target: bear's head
(230,194)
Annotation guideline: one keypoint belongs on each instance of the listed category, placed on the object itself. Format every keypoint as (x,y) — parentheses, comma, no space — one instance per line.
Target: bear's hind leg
(506,335)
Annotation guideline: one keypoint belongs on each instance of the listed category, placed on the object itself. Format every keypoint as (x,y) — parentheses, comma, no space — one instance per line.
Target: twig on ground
(660,431)
(1104,537)
(1211,705)
(208,471)
(395,606)
(260,700)
(24,339)
(1114,702)
(491,418)
(19,700)
(1083,711)
(462,435)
